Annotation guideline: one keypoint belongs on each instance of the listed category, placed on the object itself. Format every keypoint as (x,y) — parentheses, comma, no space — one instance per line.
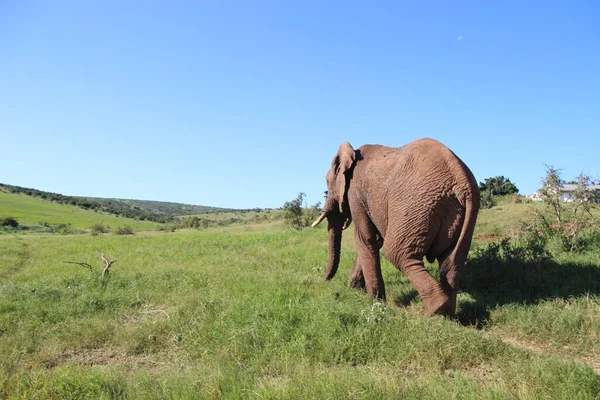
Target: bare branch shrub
(105,261)
(566,221)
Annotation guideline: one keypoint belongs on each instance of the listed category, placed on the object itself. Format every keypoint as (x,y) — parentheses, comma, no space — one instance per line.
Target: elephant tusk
(347,223)
(318,221)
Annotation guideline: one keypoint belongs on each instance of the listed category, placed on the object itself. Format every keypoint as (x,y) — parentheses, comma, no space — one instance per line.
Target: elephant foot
(357,278)
(438,305)
(357,282)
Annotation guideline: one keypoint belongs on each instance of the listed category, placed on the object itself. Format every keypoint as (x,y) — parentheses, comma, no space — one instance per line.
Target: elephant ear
(344,161)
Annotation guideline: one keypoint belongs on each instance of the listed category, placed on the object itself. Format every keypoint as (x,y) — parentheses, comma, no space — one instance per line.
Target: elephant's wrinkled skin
(416,201)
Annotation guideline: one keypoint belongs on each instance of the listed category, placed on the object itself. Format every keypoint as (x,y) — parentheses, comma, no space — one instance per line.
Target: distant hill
(143,210)
(38,214)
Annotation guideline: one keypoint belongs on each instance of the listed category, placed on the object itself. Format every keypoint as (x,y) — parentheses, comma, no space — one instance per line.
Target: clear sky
(244,103)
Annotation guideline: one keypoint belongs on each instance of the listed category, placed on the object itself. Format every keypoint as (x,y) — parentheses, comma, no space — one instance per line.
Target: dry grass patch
(532,346)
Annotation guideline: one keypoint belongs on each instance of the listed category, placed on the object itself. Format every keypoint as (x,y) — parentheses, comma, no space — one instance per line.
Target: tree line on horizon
(155,211)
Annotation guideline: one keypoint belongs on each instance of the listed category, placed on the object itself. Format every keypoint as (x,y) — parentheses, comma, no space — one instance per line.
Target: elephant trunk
(334,228)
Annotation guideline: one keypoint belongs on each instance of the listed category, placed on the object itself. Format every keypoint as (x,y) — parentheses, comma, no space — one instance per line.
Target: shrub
(292,212)
(487,199)
(297,217)
(98,229)
(124,230)
(311,214)
(9,221)
(570,225)
(194,222)
(506,265)
(64,229)
(170,227)
(495,187)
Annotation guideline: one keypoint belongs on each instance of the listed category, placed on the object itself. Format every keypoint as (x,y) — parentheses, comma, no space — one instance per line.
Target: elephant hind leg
(434,296)
(451,264)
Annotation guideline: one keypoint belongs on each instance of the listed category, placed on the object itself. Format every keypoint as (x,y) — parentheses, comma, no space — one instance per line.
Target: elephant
(416,201)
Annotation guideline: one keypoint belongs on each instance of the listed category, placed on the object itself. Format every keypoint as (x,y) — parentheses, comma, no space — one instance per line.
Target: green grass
(244,216)
(504,219)
(243,312)
(33,211)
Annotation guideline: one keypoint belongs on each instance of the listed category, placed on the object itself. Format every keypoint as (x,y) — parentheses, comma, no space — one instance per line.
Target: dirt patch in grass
(542,349)
(140,313)
(110,357)
(484,238)
(484,374)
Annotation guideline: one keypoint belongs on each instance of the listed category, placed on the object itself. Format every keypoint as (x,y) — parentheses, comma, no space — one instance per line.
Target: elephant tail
(458,257)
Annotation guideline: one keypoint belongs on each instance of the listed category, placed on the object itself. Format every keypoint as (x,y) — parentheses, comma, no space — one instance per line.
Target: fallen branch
(86,265)
(107,264)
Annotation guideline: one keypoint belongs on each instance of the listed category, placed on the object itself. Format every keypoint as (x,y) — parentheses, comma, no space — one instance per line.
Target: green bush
(571,226)
(124,230)
(495,187)
(507,266)
(9,221)
(292,212)
(589,240)
(65,229)
(194,222)
(297,217)
(98,229)
(488,200)
(170,227)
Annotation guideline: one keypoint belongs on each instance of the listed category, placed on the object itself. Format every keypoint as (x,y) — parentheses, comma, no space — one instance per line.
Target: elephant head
(336,208)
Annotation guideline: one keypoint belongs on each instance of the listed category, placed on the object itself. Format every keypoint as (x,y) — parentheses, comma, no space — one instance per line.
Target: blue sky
(243,104)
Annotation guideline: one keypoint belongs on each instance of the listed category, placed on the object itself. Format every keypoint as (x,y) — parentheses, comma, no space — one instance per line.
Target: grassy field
(243,312)
(33,211)
(243,215)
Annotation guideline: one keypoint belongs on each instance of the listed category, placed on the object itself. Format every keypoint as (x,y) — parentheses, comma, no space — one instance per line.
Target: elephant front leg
(368,262)
(357,278)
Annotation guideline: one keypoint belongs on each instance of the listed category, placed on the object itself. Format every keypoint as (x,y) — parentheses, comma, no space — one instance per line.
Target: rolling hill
(144,210)
(35,211)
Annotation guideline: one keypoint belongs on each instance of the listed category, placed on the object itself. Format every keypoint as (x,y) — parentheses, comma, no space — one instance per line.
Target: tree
(292,211)
(297,217)
(498,186)
(552,185)
(568,220)
(312,213)
(583,194)
(494,187)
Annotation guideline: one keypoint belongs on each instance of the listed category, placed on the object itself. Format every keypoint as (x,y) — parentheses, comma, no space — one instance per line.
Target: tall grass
(245,313)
